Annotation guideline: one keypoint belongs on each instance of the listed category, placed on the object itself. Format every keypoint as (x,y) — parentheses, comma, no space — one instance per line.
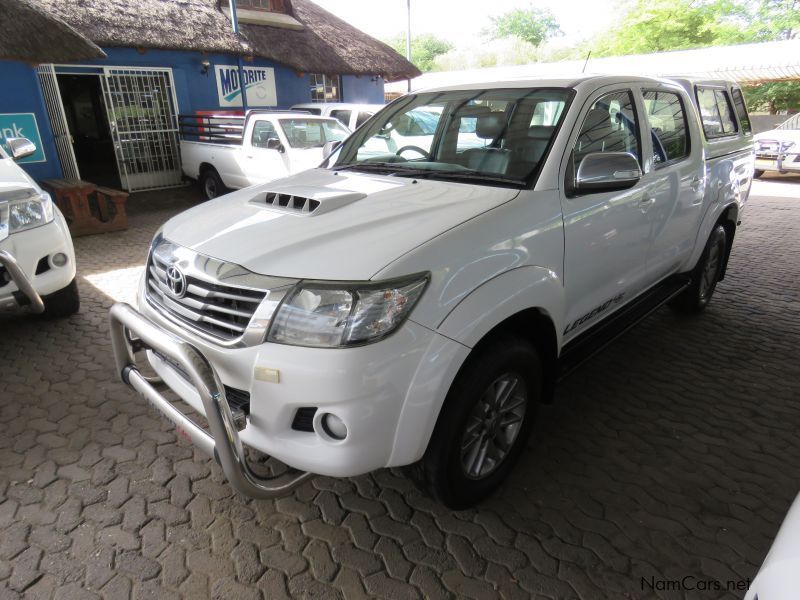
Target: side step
(586,345)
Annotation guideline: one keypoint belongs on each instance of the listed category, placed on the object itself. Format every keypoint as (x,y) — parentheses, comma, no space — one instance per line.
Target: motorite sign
(259,85)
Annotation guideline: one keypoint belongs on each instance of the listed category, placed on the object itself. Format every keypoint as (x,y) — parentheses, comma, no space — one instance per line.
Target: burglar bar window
(325,88)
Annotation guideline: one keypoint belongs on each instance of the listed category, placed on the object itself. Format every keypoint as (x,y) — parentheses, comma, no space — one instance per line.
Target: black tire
(705,275)
(211,184)
(758,173)
(63,303)
(443,470)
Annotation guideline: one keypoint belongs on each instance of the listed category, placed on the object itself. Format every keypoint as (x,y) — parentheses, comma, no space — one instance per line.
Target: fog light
(59,260)
(334,426)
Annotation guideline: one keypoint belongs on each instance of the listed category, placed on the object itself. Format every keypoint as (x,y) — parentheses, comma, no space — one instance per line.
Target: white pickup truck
(229,152)
(37,260)
(414,308)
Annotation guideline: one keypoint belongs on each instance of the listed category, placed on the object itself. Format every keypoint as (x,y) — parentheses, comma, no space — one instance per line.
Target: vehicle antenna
(586,62)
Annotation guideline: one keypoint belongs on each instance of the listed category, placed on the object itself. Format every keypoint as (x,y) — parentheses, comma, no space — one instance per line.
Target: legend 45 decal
(594,312)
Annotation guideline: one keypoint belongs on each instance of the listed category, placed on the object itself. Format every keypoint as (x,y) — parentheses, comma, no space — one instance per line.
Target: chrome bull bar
(223,443)
(23,283)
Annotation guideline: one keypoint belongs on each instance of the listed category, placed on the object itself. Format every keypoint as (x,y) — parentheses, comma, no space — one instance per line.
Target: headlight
(30,212)
(336,315)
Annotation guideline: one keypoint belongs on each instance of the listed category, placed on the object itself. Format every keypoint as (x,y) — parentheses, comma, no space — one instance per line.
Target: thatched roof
(33,35)
(326,44)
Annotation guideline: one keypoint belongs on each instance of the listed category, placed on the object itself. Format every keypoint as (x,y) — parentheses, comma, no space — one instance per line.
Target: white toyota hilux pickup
(37,260)
(414,308)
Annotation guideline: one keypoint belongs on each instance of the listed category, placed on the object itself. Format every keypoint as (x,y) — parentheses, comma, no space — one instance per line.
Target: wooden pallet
(88,208)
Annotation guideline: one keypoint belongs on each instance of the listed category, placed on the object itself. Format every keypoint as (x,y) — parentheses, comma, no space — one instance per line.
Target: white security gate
(58,121)
(142,114)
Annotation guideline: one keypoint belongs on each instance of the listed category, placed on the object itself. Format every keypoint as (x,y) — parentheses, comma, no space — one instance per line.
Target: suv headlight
(337,315)
(30,212)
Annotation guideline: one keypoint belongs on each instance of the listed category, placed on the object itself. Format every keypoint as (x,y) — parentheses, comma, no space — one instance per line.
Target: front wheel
(211,184)
(63,303)
(484,423)
(705,275)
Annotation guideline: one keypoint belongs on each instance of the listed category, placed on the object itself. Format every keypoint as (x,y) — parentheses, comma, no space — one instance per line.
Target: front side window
(668,126)
(741,110)
(324,88)
(716,112)
(263,131)
(610,125)
(483,136)
(312,133)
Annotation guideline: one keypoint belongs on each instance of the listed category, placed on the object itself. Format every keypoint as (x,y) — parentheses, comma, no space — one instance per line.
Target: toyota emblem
(176,282)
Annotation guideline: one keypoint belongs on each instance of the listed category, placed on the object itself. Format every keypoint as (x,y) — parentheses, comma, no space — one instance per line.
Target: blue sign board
(22,125)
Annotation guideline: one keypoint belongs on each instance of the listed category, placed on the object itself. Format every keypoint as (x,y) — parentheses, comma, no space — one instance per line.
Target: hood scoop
(307,202)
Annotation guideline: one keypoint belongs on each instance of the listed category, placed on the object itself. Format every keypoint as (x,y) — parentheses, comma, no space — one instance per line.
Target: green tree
(424,49)
(773,97)
(531,25)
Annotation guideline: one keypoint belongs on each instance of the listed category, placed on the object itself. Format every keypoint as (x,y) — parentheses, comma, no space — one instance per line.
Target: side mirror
(275,144)
(330,147)
(20,147)
(607,171)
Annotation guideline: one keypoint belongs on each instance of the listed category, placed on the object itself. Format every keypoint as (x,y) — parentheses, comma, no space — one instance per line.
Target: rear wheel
(484,423)
(758,173)
(211,184)
(705,275)
(62,303)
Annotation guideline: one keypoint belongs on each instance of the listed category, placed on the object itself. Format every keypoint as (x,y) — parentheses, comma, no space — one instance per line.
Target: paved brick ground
(675,453)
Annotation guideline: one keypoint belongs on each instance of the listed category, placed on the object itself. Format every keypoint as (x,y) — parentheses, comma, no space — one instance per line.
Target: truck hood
(322,224)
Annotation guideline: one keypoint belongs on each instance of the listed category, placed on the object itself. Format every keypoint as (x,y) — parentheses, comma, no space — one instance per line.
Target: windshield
(312,133)
(499,136)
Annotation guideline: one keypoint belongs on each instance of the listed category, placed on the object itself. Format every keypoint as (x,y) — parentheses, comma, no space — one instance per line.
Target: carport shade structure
(30,34)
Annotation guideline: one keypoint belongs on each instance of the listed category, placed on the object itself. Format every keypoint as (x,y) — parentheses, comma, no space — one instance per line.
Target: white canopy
(744,63)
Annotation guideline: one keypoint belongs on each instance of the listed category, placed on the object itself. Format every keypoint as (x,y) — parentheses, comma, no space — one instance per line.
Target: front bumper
(21,254)
(223,443)
(24,287)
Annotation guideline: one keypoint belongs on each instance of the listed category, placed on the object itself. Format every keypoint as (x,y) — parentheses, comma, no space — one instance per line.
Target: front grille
(222,311)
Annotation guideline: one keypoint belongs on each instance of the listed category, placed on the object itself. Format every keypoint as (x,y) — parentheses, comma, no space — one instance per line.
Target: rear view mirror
(275,144)
(20,147)
(607,171)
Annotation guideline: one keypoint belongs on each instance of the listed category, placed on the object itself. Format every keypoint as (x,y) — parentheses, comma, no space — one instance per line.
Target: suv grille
(220,310)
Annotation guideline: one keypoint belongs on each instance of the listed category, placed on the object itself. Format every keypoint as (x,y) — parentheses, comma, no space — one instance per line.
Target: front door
(606,232)
(263,162)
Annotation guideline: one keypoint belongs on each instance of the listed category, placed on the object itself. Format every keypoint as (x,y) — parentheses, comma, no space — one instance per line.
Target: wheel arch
(467,330)
(729,219)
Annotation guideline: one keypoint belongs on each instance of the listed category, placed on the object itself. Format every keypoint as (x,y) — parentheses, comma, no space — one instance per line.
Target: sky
(461,21)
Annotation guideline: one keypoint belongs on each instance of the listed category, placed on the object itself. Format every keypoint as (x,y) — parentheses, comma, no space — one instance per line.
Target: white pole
(408,37)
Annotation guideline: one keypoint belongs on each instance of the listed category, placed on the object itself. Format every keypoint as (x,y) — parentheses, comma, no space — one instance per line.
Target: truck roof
(566,81)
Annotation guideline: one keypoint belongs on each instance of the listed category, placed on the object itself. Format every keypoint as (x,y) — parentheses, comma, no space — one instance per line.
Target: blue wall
(20,92)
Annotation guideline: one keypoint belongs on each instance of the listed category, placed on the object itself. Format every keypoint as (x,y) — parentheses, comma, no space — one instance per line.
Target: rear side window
(363,117)
(343,116)
(668,126)
(741,110)
(716,112)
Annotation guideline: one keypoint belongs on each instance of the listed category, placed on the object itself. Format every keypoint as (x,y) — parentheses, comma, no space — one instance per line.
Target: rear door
(674,181)
(606,232)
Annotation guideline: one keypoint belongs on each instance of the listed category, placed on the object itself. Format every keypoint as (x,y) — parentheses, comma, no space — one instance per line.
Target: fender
(476,315)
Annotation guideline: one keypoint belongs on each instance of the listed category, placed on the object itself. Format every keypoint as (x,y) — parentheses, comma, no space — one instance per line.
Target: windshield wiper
(469,176)
(381,167)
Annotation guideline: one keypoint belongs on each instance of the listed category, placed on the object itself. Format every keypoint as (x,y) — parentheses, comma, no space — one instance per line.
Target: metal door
(142,115)
(58,121)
